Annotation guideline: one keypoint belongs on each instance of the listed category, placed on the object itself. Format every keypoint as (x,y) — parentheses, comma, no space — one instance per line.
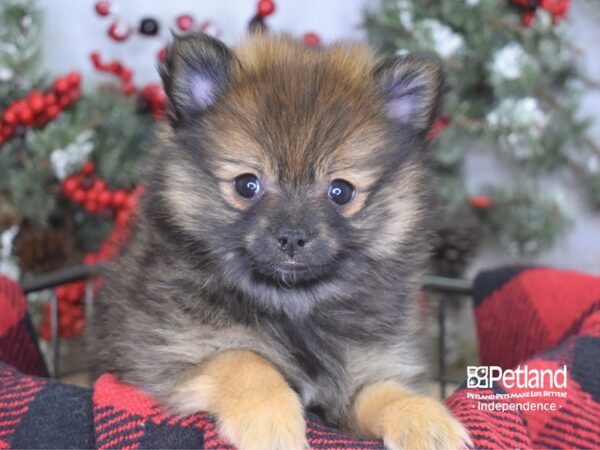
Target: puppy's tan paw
(265,421)
(417,422)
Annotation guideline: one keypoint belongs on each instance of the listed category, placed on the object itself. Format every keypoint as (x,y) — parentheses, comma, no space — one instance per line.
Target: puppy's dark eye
(247,185)
(340,191)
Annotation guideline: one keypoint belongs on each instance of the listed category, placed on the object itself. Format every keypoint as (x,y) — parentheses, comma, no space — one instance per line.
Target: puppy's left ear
(412,87)
(196,71)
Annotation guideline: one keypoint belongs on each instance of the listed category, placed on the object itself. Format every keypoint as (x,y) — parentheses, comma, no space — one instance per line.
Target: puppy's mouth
(290,274)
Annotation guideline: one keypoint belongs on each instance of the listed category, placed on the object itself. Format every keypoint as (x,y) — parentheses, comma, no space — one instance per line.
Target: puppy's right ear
(197,69)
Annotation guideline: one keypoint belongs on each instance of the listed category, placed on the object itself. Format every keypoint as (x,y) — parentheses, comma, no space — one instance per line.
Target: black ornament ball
(149,27)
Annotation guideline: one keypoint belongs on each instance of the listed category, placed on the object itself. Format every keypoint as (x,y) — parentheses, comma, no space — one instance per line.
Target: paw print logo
(477,377)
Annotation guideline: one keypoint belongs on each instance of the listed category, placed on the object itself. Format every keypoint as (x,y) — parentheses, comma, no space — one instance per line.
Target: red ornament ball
(265,8)
(185,22)
(119,31)
(103,8)
(312,39)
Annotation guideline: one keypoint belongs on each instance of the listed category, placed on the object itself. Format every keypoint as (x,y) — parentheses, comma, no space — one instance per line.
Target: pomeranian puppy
(280,243)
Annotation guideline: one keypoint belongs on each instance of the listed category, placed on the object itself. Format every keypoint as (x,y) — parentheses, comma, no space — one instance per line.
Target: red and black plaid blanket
(540,319)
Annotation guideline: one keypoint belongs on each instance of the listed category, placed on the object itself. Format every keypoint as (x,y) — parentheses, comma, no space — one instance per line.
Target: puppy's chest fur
(330,354)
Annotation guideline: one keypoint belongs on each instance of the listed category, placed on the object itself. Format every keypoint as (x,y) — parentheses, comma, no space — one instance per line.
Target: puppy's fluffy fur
(203,310)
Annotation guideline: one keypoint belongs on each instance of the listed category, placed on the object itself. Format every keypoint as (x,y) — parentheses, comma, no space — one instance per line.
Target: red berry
(69,186)
(74,78)
(98,185)
(88,168)
(119,31)
(115,67)
(90,204)
(64,101)
(480,202)
(36,102)
(26,116)
(89,258)
(312,39)
(123,218)
(118,198)
(162,54)
(53,111)
(61,85)
(127,88)
(185,22)
(104,198)
(91,196)
(50,99)
(9,116)
(73,294)
(126,75)
(61,292)
(103,8)
(265,8)
(18,106)
(74,95)
(79,196)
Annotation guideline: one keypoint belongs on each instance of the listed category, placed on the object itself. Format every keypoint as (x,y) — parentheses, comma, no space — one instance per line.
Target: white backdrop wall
(73,30)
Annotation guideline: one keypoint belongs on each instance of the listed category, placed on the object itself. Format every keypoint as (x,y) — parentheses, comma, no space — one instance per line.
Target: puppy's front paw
(265,420)
(415,422)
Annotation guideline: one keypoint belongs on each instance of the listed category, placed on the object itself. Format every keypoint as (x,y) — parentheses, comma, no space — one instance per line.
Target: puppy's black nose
(292,241)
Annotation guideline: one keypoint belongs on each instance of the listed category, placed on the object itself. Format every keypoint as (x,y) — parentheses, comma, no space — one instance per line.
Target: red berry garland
(38,108)
(92,193)
(557,8)
(124,74)
(152,94)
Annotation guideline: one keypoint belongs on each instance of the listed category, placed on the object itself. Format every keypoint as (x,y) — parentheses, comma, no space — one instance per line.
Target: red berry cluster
(154,96)
(116,68)
(39,108)
(91,192)
(71,320)
(557,8)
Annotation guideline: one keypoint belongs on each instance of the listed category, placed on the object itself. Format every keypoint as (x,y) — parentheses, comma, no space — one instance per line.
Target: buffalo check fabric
(539,318)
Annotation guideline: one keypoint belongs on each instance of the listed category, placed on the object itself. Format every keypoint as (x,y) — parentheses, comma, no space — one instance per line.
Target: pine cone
(454,246)
(41,250)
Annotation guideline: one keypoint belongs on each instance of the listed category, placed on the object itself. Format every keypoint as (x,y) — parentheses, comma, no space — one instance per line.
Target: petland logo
(521,377)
